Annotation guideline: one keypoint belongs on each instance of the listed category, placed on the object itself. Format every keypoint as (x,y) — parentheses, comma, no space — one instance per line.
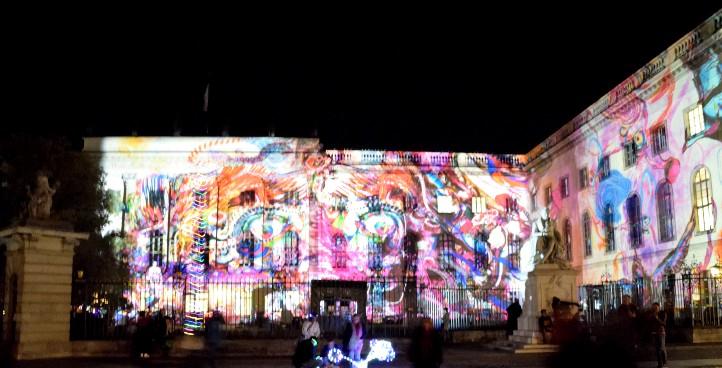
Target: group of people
(634,327)
(353,338)
(425,350)
(150,331)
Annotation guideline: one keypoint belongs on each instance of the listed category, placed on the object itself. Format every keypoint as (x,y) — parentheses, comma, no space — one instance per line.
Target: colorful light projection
(197,304)
(647,144)
(290,212)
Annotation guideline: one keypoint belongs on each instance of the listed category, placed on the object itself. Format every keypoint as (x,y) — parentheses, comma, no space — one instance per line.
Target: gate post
(41,260)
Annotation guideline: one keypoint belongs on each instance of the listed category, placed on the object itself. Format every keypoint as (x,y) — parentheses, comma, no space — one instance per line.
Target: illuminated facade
(634,180)
(263,209)
(633,183)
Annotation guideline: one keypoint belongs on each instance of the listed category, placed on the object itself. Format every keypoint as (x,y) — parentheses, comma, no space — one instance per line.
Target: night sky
(486,80)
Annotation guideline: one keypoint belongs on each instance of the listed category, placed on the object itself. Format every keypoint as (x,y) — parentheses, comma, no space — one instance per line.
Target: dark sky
(487,80)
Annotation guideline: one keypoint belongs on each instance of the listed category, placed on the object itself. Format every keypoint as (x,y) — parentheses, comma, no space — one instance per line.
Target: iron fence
(392,308)
(690,300)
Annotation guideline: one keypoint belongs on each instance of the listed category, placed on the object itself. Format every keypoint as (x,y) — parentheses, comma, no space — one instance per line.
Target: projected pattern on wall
(278,208)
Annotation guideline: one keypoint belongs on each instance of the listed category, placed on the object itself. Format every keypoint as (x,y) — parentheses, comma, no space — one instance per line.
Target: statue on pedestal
(549,249)
(41,199)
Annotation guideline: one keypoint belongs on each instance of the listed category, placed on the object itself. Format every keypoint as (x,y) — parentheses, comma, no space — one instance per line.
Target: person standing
(310,328)
(426,349)
(545,326)
(214,331)
(353,338)
(659,334)
(446,324)
(513,312)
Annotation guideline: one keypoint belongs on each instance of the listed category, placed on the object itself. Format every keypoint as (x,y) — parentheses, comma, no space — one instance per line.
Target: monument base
(544,283)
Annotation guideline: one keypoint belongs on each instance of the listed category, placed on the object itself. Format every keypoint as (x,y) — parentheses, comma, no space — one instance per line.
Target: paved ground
(456,356)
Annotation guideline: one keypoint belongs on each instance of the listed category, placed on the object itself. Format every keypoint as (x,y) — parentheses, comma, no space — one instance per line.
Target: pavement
(468,355)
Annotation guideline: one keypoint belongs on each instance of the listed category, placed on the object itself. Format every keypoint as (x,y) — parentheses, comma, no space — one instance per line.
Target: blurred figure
(445,324)
(426,350)
(513,312)
(545,326)
(658,322)
(330,345)
(214,331)
(353,337)
(310,328)
(627,319)
(143,338)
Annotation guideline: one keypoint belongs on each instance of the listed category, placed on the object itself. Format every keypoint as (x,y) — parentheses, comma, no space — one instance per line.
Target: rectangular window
(375,253)
(548,192)
(630,154)
(609,227)
(659,140)
(564,186)
(695,121)
(583,178)
(587,229)
(478,204)
(446,249)
(248,198)
(604,169)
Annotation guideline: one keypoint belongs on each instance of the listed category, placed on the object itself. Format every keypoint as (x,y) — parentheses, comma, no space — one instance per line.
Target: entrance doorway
(334,302)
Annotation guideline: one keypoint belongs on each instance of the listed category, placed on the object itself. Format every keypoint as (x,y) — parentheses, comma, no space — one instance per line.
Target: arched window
(665,211)
(609,226)
(568,239)
(247,248)
(703,200)
(634,218)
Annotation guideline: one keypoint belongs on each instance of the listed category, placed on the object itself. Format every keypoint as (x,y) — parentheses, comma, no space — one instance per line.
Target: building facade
(633,185)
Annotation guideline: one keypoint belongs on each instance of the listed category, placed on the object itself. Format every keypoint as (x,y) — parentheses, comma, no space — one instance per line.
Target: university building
(632,183)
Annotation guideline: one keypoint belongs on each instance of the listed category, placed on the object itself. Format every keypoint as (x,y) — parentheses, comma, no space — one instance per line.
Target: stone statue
(549,248)
(41,199)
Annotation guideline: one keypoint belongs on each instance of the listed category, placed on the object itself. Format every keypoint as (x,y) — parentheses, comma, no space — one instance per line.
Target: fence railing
(690,300)
(392,308)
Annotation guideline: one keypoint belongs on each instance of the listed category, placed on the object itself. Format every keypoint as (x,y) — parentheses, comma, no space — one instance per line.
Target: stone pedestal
(542,284)
(38,289)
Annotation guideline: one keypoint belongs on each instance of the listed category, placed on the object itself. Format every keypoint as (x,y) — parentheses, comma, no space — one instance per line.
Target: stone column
(41,260)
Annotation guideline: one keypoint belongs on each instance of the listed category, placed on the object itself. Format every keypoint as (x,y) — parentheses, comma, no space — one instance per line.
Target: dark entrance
(336,301)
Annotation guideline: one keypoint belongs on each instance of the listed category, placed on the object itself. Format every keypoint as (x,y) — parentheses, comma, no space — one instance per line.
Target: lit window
(410,254)
(659,139)
(703,200)
(478,204)
(695,121)
(481,259)
(445,204)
